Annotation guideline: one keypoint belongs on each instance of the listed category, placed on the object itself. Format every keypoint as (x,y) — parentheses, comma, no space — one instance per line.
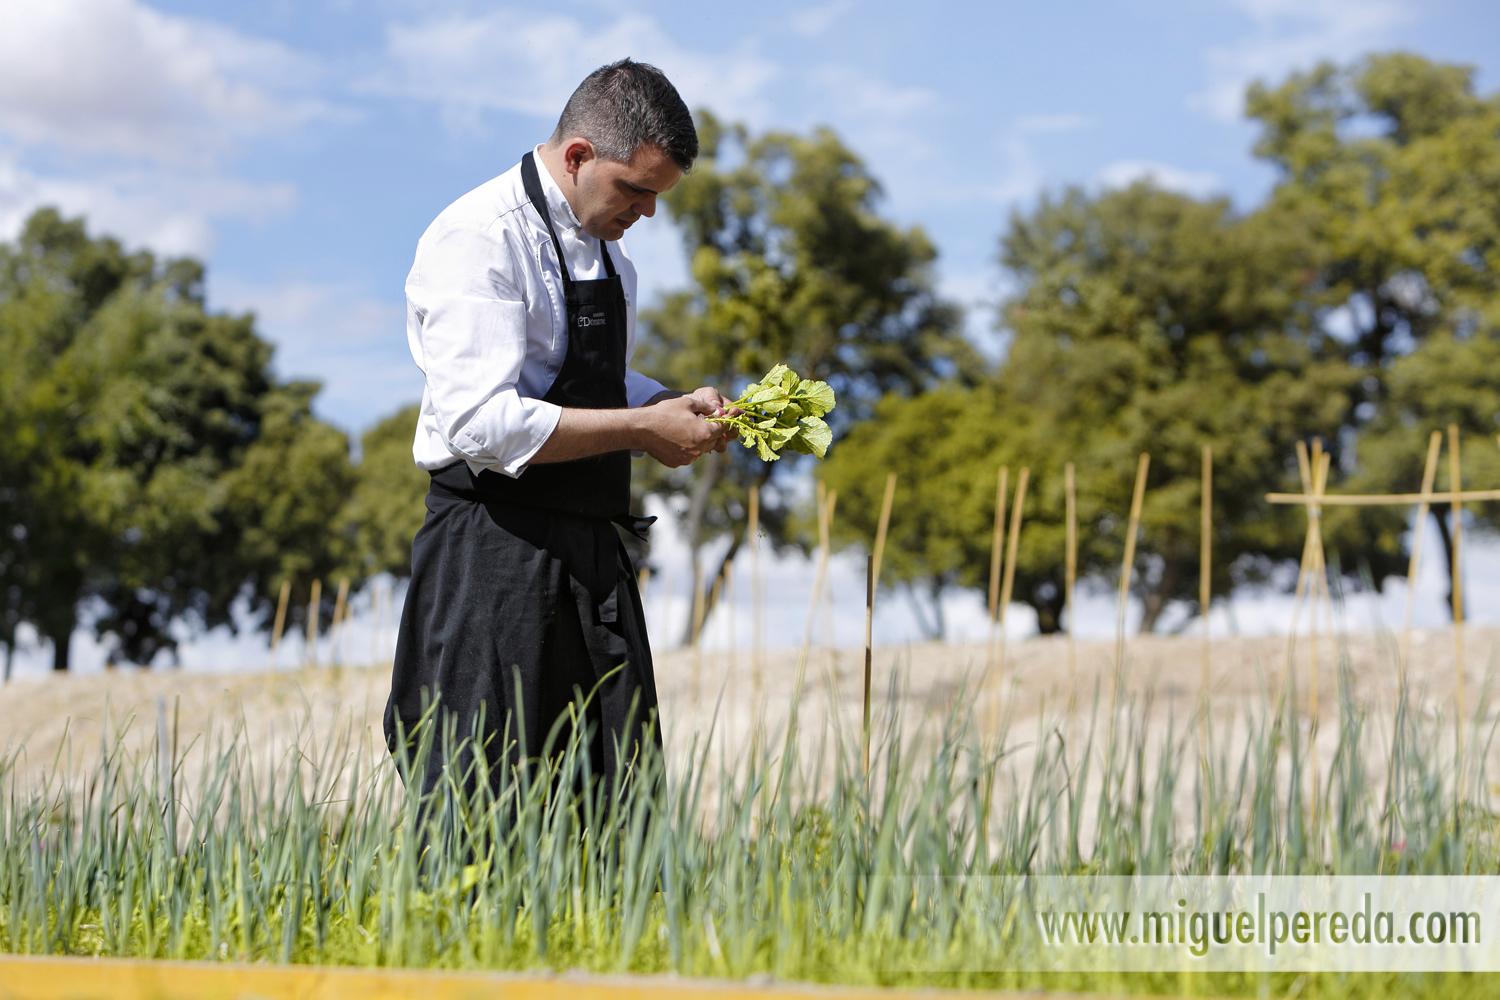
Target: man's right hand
(674,432)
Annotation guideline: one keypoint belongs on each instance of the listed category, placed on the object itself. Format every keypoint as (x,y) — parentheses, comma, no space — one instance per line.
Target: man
(521,311)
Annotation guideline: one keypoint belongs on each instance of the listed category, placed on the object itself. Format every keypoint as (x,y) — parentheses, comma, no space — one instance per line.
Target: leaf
(817,434)
(782,410)
(816,397)
(759,395)
(779,437)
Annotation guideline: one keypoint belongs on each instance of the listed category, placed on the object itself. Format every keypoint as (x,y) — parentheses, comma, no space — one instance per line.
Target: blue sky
(300,148)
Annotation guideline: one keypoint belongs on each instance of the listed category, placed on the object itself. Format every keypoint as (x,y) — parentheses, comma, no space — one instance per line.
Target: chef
(521,314)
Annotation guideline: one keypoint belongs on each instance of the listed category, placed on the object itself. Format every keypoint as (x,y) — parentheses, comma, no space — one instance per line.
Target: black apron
(521,589)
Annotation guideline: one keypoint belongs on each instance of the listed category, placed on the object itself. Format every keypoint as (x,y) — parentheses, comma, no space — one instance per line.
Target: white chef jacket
(485,321)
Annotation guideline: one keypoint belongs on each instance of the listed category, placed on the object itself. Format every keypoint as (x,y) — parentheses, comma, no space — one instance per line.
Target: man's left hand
(708,394)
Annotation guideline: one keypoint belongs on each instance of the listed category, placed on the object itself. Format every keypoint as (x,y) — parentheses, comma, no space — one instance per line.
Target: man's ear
(576,152)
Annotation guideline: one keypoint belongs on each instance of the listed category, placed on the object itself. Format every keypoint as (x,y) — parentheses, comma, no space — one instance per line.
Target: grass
(773,860)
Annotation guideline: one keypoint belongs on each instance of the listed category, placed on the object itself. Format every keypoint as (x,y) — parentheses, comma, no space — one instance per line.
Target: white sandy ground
(1162,678)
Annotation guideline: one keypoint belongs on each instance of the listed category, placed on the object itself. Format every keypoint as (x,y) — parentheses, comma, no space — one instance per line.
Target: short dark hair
(625,104)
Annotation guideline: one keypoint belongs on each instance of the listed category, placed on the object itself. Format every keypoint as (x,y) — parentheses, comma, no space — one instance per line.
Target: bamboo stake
(1070,578)
(885,522)
(1012,545)
(1288,680)
(755,594)
(286,593)
(817,593)
(1319,581)
(1007,582)
(730,656)
(1429,474)
(312,623)
(336,630)
(1205,602)
(1378,499)
(377,622)
(1205,564)
(1314,538)
(997,555)
(392,623)
(642,581)
(1319,588)
(1457,510)
(869,653)
(1136,500)
(833,497)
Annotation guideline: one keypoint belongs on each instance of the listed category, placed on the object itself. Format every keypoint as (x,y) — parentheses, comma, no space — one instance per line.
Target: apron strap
(533,185)
(532,182)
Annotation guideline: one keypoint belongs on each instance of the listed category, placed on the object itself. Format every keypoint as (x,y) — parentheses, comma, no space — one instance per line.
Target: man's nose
(646,206)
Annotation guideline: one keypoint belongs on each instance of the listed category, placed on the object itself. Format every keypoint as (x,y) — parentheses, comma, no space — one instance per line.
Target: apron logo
(596,320)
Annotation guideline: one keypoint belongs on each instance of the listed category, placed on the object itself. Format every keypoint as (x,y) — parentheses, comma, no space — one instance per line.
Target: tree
(154,471)
(1147,321)
(388,503)
(791,264)
(1392,165)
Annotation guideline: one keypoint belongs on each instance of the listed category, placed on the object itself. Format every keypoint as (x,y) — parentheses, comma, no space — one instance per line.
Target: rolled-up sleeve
(468,327)
(639,389)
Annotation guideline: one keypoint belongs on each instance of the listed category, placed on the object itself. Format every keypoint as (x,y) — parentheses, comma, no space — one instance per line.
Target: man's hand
(708,394)
(674,429)
(670,428)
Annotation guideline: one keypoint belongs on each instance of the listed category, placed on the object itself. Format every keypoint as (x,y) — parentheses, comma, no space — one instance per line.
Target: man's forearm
(670,428)
(581,433)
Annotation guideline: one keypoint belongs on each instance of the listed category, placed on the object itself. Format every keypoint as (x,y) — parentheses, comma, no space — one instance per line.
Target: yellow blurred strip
(51,978)
(1379,499)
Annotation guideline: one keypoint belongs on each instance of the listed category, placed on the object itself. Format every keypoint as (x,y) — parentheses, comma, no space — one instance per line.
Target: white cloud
(814,21)
(113,110)
(1025,178)
(1123,173)
(116,77)
(528,63)
(858,95)
(1288,35)
(169,211)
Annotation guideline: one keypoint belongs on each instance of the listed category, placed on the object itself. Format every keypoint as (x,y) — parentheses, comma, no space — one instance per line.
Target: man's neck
(552,158)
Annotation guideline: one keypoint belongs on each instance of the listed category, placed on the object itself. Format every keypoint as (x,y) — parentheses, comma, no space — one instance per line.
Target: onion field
(768,852)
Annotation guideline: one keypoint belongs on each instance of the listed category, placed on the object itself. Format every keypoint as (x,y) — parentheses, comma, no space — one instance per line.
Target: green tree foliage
(388,503)
(1393,165)
(792,264)
(152,469)
(1147,321)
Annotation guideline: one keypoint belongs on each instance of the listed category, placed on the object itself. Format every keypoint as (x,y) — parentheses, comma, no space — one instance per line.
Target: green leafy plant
(783,410)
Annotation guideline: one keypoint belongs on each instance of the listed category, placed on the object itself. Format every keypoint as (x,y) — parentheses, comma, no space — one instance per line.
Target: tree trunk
(1440,511)
(1157,597)
(60,646)
(711,468)
(736,540)
(1049,602)
(933,630)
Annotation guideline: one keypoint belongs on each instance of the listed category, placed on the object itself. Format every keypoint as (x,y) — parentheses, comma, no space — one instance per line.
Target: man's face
(608,196)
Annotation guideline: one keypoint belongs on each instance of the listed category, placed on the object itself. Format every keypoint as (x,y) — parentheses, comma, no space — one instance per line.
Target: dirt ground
(1163,675)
